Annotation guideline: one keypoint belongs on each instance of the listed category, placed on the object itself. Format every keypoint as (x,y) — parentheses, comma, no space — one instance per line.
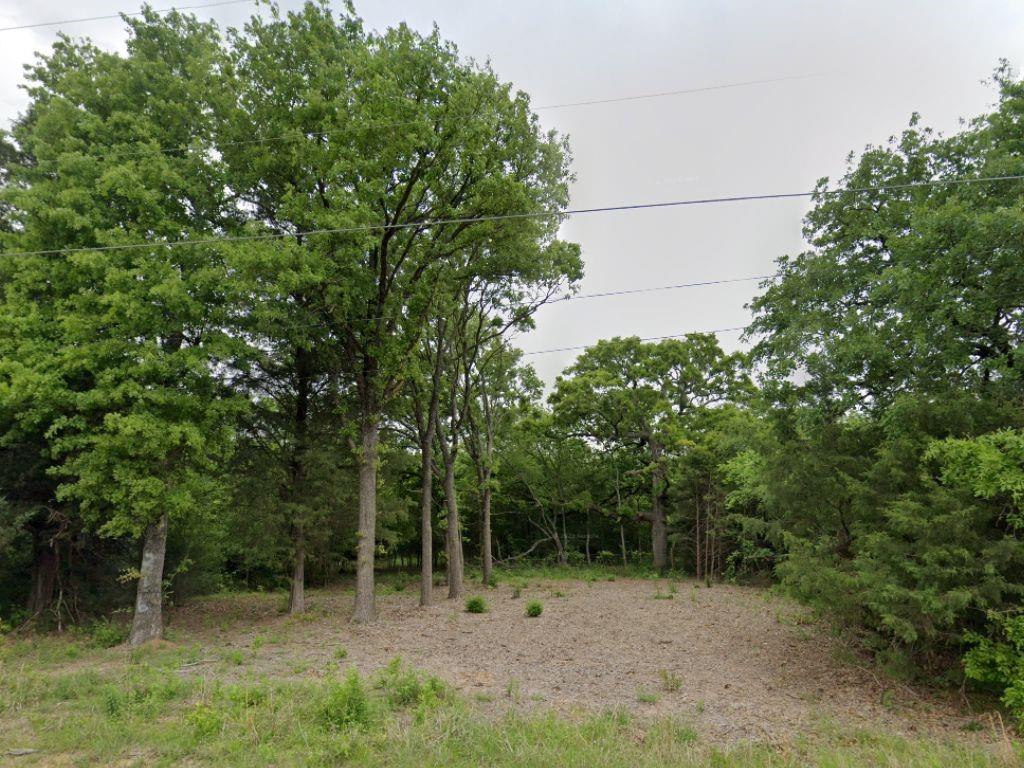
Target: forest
(261,290)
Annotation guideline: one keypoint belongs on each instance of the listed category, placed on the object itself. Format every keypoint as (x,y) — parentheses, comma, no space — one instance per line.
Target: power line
(122,13)
(646,338)
(651,289)
(306,135)
(663,94)
(604,294)
(428,223)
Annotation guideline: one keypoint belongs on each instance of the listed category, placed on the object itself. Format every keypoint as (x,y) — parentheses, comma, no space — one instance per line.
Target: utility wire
(573,297)
(428,223)
(663,94)
(300,136)
(122,13)
(646,338)
(651,289)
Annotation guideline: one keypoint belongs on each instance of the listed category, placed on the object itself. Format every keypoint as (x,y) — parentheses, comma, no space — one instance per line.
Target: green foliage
(405,687)
(346,704)
(997,661)
(106,634)
(534,608)
(886,487)
(476,604)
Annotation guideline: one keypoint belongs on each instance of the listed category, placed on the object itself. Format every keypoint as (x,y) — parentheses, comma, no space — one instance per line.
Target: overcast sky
(872,63)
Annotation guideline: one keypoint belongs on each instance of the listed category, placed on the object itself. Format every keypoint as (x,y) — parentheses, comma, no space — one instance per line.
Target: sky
(858,70)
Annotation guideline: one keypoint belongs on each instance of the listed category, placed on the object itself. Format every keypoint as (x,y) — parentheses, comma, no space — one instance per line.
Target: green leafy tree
(121,346)
(630,394)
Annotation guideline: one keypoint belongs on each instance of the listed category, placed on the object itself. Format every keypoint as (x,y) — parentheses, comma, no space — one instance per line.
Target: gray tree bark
(426,522)
(366,608)
(487,559)
(297,598)
(659,525)
(453,539)
(147,622)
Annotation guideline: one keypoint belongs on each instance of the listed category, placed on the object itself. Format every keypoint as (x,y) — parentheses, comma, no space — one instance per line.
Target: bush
(534,608)
(476,604)
(104,634)
(999,663)
(346,704)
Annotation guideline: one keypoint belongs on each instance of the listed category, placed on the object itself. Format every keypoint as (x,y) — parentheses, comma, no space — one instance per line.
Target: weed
(205,721)
(669,680)
(346,703)
(646,697)
(534,608)
(476,604)
(514,690)
(403,686)
(340,653)
(516,592)
(105,634)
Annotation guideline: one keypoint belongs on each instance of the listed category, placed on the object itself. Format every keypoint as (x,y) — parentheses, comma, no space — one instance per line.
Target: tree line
(259,289)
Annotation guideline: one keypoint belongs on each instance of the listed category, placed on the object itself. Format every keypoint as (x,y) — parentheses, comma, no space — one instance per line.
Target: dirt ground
(738,663)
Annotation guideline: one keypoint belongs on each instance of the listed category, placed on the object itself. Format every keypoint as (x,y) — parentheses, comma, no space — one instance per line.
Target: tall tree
(135,334)
(630,393)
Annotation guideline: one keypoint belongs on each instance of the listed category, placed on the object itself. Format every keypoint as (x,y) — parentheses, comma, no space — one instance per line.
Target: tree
(131,337)
(503,391)
(626,393)
(898,328)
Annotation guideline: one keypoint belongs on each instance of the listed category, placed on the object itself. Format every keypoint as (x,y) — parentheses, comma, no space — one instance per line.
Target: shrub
(999,662)
(476,604)
(534,608)
(104,634)
(346,703)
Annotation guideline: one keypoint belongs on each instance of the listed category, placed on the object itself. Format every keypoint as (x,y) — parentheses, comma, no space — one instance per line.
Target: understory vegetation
(258,291)
(144,707)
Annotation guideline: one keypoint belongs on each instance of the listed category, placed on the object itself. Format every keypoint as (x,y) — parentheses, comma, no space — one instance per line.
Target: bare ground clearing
(738,663)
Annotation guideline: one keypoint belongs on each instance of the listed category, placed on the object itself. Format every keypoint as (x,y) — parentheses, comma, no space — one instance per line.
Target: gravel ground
(738,663)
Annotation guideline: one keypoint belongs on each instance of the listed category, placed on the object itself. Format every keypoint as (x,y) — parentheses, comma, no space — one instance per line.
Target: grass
(89,705)
(670,681)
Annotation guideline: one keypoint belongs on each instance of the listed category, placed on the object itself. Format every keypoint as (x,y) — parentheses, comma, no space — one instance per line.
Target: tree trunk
(147,622)
(696,536)
(44,576)
(297,600)
(487,560)
(622,543)
(659,527)
(659,537)
(453,539)
(587,546)
(426,522)
(366,608)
